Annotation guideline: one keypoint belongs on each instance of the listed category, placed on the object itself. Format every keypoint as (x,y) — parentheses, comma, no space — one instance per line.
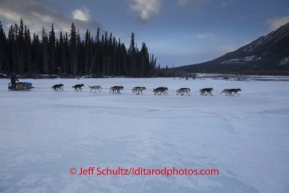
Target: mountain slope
(269,52)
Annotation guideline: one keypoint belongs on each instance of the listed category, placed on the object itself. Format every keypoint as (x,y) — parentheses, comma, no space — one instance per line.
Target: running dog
(182,91)
(234,91)
(231,91)
(138,90)
(226,91)
(116,89)
(206,91)
(160,90)
(135,90)
(57,87)
(95,88)
(78,87)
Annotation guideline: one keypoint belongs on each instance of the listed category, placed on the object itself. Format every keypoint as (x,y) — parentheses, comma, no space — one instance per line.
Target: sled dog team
(160,90)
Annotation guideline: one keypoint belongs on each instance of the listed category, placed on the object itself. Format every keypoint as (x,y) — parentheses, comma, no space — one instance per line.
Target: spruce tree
(72,50)
(132,55)
(3,51)
(66,56)
(51,51)
(87,46)
(45,63)
(110,56)
(62,54)
(36,54)
(97,52)
(27,52)
(12,51)
(118,59)
(144,61)
(124,59)
(20,47)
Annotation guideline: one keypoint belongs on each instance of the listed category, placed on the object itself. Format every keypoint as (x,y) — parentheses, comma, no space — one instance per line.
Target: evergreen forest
(68,55)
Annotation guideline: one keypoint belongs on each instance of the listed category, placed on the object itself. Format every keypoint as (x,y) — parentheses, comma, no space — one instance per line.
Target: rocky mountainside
(267,53)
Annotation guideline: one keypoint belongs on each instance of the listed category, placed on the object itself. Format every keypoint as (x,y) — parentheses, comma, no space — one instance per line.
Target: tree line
(101,55)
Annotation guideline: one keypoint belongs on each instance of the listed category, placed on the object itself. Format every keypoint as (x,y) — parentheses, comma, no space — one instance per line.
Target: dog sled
(20,86)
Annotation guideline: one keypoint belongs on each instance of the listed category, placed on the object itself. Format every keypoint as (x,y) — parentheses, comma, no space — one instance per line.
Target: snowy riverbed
(43,134)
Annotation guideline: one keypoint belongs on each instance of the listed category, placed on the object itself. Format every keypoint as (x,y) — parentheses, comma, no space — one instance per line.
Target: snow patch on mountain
(241,60)
(284,61)
(255,44)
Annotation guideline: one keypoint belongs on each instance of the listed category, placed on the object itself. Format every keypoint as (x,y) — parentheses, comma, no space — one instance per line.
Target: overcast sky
(177,32)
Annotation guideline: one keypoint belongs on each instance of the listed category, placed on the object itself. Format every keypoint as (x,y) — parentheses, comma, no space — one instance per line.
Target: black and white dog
(78,87)
(57,87)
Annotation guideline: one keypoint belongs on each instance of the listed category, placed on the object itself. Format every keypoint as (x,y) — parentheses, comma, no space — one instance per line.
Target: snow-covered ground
(43,134)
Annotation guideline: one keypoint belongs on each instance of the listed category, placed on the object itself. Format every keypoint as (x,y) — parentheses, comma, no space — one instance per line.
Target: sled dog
(206,91)
(95,88)
(160,90)
(226,91)
(138,90)
(57,87)
(116,89)
(231,91)
(135,90)
(78,87)
(182,91)
(234,91)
